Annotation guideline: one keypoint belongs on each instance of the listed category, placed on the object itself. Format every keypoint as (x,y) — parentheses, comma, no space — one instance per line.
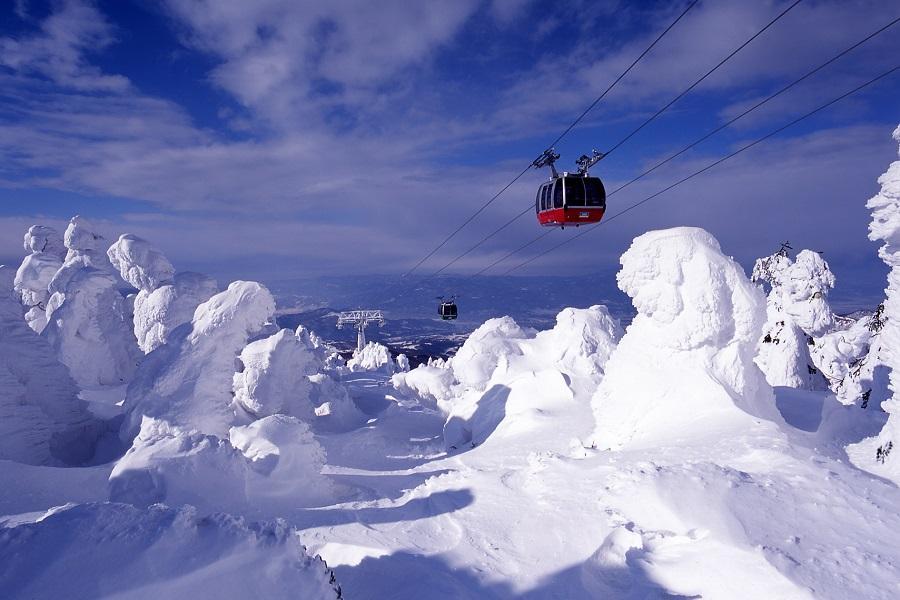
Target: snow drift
(42,420)
(684,368)
(267,468)
(91,551)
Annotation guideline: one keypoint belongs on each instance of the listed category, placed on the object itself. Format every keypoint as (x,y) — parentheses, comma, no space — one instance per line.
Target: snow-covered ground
(162,438)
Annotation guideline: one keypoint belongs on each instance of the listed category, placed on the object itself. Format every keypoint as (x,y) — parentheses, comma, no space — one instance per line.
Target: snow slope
(575,462)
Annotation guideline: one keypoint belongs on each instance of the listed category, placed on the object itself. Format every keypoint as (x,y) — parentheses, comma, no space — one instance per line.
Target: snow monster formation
(37,271)
(188,381)
(684,369)
(797,314)
(87,319)
(83,249)
(191,442)
(165,299)
(880,454)
(42,420)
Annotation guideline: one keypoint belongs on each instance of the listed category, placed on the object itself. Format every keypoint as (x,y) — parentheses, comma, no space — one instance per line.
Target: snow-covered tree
(851,359)
(37,271)
(165,299)
(880,453)
(188,423)
(188,382)
(797,312)
(88,323)
(373,357)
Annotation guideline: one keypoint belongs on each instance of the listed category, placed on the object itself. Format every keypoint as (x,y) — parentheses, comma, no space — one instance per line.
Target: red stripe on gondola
(557,217)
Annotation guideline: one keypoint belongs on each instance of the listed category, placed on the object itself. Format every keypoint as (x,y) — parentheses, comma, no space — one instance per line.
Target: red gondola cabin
(570,199)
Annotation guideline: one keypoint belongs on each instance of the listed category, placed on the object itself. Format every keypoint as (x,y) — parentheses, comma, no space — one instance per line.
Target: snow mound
(159,312)
(506,380)
(431,385)
(266,468)
(140,263)
(880,454)
(188,382)
(41,238)
(684,368)
(105,550)
(281,375)
(88,328)
(175,465)
(486,348)
(373,357)
(275,376)
(286,460)
(42,420)
(580,342)
(526,402)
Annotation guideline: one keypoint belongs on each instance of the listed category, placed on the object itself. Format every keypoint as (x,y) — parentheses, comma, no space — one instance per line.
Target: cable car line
(659,112)
(707,74)
(620,77)
(759,104)
(557,140)
(686,148)
(482,241)
(704,169)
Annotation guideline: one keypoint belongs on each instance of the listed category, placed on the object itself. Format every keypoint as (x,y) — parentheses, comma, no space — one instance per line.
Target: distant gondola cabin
(447,310)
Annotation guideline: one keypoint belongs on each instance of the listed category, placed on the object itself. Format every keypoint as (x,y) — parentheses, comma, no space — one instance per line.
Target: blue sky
(281,138)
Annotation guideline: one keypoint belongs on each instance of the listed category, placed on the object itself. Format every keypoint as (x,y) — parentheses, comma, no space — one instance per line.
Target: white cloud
(58,50)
